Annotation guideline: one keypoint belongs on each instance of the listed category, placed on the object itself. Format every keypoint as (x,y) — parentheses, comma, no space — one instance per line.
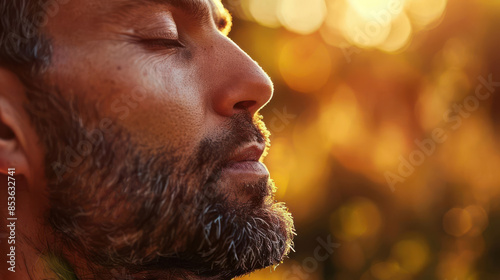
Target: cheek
(167,123)
(167,110)
(159,101)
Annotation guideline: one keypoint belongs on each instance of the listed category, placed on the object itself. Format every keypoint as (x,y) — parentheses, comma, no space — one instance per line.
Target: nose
(238,83)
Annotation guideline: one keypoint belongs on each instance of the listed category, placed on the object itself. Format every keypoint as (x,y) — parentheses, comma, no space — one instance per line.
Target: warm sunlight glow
(387,25)
(362,32)
(399,36)
(425,12)
(305,64)
(303,17)
(391,132)
(378,9)
(265,12)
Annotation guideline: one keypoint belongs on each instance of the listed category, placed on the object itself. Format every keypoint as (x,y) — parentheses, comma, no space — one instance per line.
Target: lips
(249,152)
(244,163)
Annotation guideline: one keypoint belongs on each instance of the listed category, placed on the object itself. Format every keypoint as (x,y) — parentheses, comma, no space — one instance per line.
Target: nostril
(244,105)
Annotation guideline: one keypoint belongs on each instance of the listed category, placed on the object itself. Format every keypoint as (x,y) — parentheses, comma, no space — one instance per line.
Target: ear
(19,147)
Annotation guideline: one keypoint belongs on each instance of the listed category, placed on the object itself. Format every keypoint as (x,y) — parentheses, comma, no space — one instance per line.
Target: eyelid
(162,43)
(158,33)
(158,26)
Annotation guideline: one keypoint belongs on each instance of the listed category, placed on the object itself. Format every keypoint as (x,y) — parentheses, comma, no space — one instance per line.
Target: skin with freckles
(139,148)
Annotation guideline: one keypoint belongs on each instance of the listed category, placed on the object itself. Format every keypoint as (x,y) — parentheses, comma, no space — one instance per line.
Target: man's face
(153,140)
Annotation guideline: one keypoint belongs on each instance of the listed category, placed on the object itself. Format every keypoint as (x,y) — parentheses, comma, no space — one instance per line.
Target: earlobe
(18,140)
(12,154)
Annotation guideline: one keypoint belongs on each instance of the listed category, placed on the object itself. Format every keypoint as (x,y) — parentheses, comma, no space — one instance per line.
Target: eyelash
(163,43)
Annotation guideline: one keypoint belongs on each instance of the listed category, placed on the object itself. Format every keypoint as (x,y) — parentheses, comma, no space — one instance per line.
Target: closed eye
(162,43)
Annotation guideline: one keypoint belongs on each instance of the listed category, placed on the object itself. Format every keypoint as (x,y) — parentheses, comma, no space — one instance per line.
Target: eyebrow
(200,10)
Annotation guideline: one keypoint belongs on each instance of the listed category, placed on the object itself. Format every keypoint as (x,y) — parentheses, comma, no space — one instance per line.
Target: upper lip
(249,152)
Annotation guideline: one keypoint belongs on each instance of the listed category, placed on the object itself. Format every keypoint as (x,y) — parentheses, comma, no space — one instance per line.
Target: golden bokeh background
(385,133)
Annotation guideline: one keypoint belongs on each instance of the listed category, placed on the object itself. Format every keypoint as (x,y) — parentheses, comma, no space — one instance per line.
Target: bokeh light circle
(303,17)
(305,64)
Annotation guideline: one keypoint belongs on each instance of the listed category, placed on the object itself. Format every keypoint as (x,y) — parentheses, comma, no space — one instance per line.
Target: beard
(154,210)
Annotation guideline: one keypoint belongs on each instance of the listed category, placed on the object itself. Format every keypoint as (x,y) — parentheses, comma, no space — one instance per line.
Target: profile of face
(152,143)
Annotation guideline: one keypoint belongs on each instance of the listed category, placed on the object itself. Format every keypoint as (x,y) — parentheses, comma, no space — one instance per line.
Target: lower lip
(247,169)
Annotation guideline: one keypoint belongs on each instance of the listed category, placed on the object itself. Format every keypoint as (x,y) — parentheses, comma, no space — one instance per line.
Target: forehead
(192,6)
(86,12)
(200,9)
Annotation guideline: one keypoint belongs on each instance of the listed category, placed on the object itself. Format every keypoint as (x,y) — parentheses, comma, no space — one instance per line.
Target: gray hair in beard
(142,211)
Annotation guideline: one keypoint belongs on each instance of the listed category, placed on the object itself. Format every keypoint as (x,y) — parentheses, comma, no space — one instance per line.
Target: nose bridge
(238,82)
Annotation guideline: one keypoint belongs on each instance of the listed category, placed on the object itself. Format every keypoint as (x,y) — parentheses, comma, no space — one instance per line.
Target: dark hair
(23,47)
